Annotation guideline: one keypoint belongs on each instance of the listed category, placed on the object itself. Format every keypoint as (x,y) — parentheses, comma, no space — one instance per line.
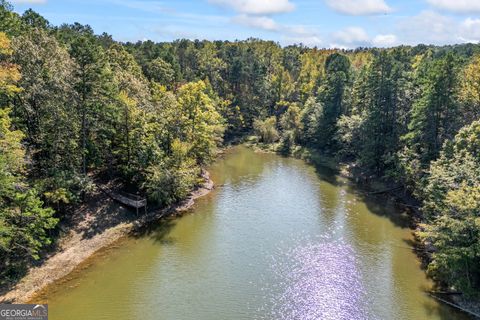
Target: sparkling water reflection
(277,240)
(317,280)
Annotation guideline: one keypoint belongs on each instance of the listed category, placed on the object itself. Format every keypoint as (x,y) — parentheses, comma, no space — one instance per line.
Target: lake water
(278,239)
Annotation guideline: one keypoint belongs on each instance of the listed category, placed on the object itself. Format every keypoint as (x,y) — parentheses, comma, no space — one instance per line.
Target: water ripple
(317,280)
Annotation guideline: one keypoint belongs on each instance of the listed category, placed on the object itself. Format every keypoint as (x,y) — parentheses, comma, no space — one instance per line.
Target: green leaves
(267,130)
(47,112)
(151,114)
(160,71)
(202,124)
(434,115)
(337,69)
(172,179)
(23,219)
(452,203)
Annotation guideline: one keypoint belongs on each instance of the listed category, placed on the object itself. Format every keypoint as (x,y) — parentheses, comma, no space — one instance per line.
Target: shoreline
(377,189)
(75,248)
(60,266)
(369,187)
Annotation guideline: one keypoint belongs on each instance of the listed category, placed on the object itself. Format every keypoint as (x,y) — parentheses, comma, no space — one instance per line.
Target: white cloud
(465,6)
(359,7)
(29,1)
(354,37)
(260,22)
(289,33)
(428,27)
(351,37)
(470,30)
(257,7)
(385,40)
(307,40)
(301,34)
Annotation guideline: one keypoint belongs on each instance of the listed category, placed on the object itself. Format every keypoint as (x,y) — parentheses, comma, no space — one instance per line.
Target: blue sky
(322,23)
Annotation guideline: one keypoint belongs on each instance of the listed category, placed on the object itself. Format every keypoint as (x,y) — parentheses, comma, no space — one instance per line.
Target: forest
(75,105)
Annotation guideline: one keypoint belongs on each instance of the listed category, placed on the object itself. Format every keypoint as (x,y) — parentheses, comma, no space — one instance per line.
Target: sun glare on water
(316,280)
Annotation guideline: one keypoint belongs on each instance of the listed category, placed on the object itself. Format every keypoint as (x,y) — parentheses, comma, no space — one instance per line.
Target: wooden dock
(127,199)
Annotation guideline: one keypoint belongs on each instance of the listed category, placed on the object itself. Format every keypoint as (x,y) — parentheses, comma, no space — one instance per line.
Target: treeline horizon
(75,105)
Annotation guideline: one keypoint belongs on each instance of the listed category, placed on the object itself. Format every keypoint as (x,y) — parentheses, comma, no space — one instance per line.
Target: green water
(278,239)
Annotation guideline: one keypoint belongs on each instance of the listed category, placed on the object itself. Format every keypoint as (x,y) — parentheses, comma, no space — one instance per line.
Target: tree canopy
(75,106)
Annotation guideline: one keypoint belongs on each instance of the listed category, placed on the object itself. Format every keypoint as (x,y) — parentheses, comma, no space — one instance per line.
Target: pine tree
(332,96)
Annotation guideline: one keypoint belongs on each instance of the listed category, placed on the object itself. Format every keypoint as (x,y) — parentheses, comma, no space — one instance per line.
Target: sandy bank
(99,224)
